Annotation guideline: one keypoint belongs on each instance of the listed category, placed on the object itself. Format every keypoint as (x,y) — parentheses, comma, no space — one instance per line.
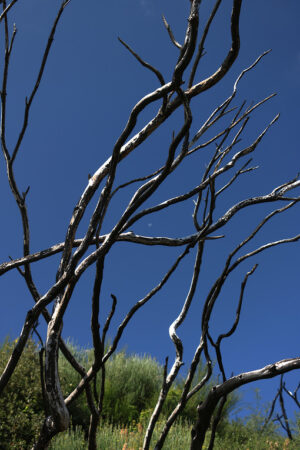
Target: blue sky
(90,84)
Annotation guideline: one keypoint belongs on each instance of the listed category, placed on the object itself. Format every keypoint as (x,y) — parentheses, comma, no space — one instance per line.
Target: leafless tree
(228,161)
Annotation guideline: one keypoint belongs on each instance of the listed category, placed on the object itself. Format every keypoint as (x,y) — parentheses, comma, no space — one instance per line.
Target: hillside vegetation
(132,386)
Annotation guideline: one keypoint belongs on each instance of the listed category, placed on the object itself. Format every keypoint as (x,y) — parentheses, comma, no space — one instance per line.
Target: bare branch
(145,64)
(293,395)
(230,58)
(282,406)
(169,379)
(110,316)
(168,28)
(29,101)
(201,45)
(7,8)
(123,237)
(229,333)
(206,409)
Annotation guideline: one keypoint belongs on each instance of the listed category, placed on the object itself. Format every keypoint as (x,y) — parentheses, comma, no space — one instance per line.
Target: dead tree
(228,161)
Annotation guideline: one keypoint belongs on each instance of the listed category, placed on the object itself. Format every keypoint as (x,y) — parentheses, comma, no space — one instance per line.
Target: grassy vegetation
(238,436)
(132,387)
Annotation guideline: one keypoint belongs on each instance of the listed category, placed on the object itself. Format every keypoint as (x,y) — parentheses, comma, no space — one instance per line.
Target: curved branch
(201,45)
(206,409)
(230,58)
(171,35)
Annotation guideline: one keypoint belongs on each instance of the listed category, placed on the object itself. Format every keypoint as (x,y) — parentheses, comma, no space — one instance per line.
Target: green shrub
(131,389)
(21,404)
(132,385)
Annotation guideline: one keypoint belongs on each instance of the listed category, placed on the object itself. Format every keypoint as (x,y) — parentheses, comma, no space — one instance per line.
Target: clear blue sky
(90,84)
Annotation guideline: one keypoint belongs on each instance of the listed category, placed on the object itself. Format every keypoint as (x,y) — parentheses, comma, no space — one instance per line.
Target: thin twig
(169,30)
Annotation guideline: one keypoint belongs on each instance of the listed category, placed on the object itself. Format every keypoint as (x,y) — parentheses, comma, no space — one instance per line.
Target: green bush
(21,404)
(131,389)
(132,385)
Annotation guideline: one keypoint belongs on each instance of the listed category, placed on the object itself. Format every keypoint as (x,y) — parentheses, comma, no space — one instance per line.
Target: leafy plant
(21,404)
